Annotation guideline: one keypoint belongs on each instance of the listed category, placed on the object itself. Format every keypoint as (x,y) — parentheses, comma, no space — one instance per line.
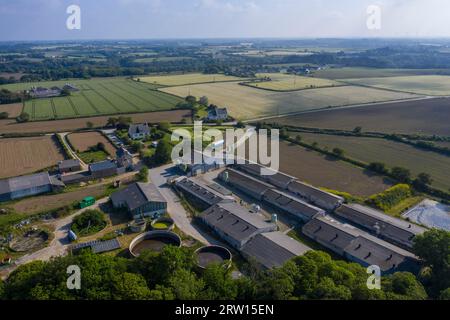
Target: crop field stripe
(134,94)
(155,96)
(55,115)
(90,102)
(73,106)
(118,95)
(160,95)
(33,109)
(106,99)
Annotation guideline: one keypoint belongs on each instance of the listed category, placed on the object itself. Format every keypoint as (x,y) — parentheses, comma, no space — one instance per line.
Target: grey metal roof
(98,246)
(278,179)
(200,191)
(291,204)
(139,128)
(273,249)
(357,244)
(244,181)
(102,165)
(67,164)
(309,191)
(379,222)
(235,221)
(24,182)
(137,195)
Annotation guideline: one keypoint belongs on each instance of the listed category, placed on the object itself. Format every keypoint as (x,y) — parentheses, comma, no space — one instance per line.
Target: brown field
(84,140)
(430,116)
(321,171)
(21,156)
(10,126)
(13,109)
(8,75)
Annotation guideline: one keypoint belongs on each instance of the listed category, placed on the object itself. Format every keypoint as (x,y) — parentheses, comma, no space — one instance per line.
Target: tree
(185,285)
(191,100)
(240,124)
(218,283)
(422,181)
(433,247)
(163,153)
(338,152)
(403,285)
(164,126)
(101,146)
(378,167)
(23,117)
(129,286)
(298,138)
(4,115)
(357,130)
(401,174)
(143,174)
(89,125)
(90,221)
(204,101)
(445,294)
(112,122)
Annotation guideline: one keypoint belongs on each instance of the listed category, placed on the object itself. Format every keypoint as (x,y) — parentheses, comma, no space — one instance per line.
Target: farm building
(71,165)
(139,131)
(140,199)
(207,164)
(103,169)
(98,246)
(124,158)
(25,186)
(359,246)
(40,92)
(201,195)
(292,205)
(234,223)
(273,249)
(278,179)
(388,228)
(217,114)
(245,183)
(320,198)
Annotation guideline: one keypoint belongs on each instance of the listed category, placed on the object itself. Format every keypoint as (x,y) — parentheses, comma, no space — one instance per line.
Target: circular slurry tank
(163,223)
(154,241)
(213,254)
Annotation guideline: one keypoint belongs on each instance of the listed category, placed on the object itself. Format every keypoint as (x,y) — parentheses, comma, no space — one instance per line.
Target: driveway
(158,176)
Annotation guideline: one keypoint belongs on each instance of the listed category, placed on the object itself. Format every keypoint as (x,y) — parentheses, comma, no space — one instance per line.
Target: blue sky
(150,19)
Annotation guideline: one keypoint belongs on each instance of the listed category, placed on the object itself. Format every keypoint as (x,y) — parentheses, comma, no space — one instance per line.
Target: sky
(156,19)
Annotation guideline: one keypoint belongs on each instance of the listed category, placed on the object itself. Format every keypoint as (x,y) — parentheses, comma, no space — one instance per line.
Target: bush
(89,222)
(4,115)
(391,197)
(24,117)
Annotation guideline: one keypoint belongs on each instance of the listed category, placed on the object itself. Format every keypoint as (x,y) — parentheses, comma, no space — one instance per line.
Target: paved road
(57,247)
(159,176)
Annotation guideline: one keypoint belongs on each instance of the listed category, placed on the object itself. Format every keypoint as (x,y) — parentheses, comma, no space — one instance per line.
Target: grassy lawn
(285,82)
(406,204)
(93,156)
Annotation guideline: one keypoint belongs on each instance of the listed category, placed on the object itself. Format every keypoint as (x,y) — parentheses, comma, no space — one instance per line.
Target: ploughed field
(428,117)
(83,141)
(11,126)
(19,156)
(391,153)
(244,102)
(96,97)
(13,109)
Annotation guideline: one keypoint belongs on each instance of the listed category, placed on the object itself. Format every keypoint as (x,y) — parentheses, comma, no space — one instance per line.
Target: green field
(244,102)
(391,153)
(427,85)
(190,78)
(286,82)
(96,97)
(360,72)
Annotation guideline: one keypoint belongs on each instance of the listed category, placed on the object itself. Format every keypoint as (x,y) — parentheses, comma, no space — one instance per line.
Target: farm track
(73,106)
(52,103)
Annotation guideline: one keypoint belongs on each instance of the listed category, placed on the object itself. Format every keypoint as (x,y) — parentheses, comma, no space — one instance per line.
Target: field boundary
(247,84)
